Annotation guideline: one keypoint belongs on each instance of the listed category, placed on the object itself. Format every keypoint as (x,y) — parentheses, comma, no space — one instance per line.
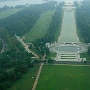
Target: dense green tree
(1,45)
(50,61)
(89,50)
(5,85)
(83,20)
(12,77)
(21,68)
(18,75)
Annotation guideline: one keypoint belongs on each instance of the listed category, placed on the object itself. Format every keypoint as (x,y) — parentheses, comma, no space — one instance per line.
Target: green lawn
(52,55)
(63,77)
(27,81)
(41,27)
(9,12)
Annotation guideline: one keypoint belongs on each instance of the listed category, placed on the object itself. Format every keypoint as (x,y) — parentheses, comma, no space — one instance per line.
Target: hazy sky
(23,2)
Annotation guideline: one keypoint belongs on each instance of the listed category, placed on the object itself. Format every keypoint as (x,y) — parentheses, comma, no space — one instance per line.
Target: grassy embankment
(64,78)
(26,82)
(6,13)
(40,28)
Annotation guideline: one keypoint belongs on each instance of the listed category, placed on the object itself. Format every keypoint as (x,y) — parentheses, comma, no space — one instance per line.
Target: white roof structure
(69,3)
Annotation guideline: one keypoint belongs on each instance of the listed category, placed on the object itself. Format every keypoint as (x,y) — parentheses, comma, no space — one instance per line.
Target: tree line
(21,22)
(83,20)
(1,45)
(14,61)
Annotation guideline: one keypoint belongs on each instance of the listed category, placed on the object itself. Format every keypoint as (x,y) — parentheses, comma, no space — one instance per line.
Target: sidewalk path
(2,50)
(68,65)
(26,46)
(38,75)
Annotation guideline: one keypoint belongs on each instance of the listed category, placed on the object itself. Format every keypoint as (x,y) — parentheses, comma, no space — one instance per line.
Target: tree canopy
(83,20)
(21,22)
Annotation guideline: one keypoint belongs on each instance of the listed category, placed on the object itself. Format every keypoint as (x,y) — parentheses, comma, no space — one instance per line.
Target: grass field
(63,77)
(27,81)
(52,55)
(9,12)
(41,27)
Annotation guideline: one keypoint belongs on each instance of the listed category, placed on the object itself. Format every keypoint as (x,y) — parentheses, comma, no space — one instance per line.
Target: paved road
(38,75)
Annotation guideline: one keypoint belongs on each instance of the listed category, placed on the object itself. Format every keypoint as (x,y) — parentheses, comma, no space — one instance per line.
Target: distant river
(23,2)
(20,2)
